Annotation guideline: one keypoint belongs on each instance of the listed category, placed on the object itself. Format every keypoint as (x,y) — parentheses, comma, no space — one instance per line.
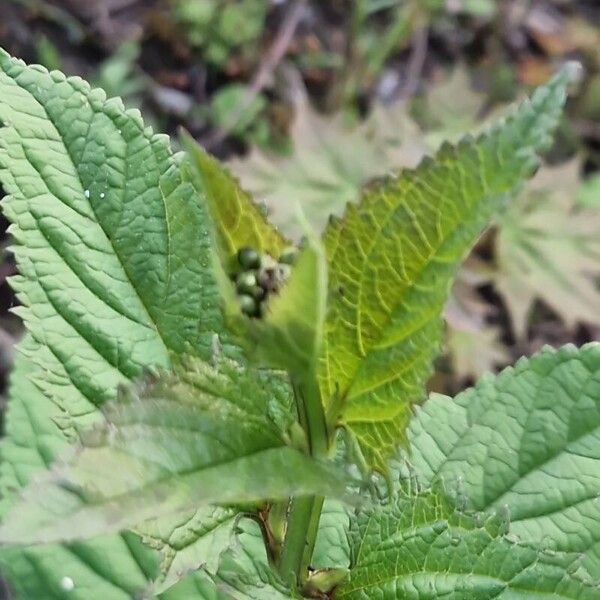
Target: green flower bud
(248,305)
(324,580)
(258,293)
(245,283)
(248,258)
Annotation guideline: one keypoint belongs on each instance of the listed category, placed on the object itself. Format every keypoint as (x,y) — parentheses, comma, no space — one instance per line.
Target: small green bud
(324,580)
(246,282)
(248,305)
(288,256)
(258,293)
(248,258)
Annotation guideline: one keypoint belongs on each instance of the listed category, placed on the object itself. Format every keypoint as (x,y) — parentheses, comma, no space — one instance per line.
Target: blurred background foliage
(309,101)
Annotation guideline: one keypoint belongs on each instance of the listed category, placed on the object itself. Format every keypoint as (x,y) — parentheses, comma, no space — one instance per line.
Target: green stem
(305,512)
(312,416)
(300,537)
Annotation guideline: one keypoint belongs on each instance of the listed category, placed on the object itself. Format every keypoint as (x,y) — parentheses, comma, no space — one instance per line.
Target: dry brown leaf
(548,248)
(330,162)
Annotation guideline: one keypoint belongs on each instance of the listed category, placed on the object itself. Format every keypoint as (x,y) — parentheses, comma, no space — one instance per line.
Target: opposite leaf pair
(125,253)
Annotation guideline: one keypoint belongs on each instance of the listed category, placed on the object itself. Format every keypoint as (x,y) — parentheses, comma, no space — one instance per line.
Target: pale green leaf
(113,252)
(451,108)
(419,547)
(331,546)
(525,443)
(473,352)
(169,447)
(333,156)
(472,344)
(392,258)
(189,542)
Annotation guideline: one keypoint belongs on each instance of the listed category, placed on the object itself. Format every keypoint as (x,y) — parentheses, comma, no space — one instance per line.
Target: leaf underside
(391,260)
(238,222)
(167,448)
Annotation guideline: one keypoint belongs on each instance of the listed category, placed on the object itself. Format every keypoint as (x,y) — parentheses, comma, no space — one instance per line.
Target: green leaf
(392,258)
(244,573)
(331,546)
(114,258)
(113,567)
(189,542)
(170,447)
(237,220)
(104,226)
(525,443)
(419,547)
(290,333)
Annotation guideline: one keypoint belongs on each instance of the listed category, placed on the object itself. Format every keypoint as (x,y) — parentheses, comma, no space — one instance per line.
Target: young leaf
(290,333)
(170,447)
(391,260)
(238,221)
(419,547)
(525,443)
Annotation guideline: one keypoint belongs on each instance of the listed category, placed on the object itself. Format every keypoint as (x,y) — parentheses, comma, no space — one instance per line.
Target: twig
(416,62)
(268,64)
